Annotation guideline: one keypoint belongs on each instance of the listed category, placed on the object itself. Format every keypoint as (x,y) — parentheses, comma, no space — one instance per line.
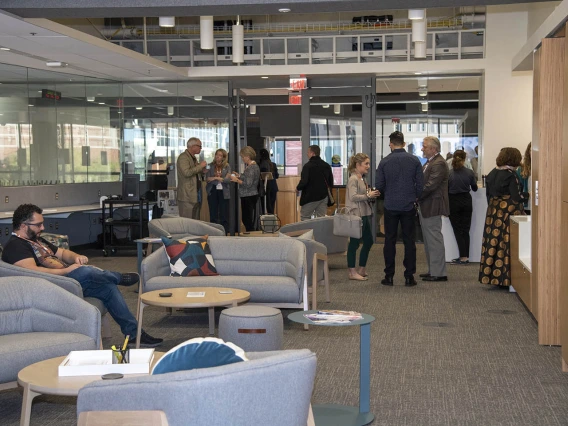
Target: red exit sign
(50,94)
(294,99)
(298,83)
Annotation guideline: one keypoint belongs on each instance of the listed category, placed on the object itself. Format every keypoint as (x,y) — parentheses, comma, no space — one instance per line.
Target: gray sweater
(250,178)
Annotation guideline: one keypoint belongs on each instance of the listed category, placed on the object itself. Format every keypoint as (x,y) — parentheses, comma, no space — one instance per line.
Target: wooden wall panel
(564,294)
(549,104)
(287,202)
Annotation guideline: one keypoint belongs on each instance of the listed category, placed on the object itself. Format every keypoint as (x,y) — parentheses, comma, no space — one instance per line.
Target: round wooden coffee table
(213,296)
(43,378)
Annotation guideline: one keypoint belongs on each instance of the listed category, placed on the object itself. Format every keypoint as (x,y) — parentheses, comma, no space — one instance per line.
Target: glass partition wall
(62,128)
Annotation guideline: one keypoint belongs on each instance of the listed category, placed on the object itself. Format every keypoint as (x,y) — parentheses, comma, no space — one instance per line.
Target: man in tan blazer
(434,204)
(189,176)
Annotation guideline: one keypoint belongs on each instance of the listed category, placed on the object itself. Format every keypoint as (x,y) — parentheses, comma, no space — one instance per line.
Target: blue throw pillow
(199,353)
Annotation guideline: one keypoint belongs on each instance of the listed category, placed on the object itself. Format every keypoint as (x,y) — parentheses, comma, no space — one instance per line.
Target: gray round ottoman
(252,327)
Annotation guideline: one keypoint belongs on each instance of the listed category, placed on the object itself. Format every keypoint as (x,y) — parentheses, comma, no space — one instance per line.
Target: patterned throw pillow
(199,353)
(190,257)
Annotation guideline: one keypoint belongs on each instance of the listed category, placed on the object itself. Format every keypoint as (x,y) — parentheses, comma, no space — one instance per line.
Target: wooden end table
(43,378)
(213,297)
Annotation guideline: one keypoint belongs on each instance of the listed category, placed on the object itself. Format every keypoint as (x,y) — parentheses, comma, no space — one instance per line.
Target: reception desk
(479,201)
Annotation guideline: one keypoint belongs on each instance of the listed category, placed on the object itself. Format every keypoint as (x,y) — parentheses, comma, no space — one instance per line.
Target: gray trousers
(434,245)
(189,210)
(318,208)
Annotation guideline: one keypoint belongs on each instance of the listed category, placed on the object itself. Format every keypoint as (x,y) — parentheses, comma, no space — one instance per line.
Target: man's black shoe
(433,278)
(410,281)
(424,275)
(129,279)
(387,280)
(146,341)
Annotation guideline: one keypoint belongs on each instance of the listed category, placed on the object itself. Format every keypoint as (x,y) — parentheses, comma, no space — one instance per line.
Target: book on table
(334,317)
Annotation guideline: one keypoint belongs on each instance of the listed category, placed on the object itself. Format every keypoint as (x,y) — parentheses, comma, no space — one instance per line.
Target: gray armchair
(178,227)
(38,321)
(273,388)
(323,233)
(69,284)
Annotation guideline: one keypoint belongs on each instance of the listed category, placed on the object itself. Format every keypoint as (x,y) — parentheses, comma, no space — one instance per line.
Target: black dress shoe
(410,281)
(433,278)
(424,275)
(387,280)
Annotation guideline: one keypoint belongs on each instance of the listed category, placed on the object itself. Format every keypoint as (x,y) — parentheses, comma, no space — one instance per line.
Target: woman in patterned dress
(504,198)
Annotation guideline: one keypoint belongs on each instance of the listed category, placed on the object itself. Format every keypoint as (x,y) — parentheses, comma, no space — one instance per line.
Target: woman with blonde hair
(461,180)
(357,198)
(248,187)
(218,177)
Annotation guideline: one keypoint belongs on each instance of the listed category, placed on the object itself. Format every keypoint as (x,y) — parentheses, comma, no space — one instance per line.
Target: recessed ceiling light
(138,107)
(418,73)
(101,103)
(120,112)
(4,48)
(30,105)
(39,91)
(265,77)
(284,10)
(198,98)
(90,99)
(325,106)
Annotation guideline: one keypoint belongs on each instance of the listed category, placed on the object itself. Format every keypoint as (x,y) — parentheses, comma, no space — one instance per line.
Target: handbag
(346,224)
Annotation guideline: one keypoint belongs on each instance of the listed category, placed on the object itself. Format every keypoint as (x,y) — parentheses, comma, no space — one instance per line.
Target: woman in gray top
(218,178)
(248,186)
(357,198)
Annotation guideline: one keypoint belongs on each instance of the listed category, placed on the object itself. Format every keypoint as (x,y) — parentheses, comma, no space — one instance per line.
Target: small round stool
(252,327)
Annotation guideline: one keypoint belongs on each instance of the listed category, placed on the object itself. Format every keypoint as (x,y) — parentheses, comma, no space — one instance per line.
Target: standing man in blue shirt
(399,177)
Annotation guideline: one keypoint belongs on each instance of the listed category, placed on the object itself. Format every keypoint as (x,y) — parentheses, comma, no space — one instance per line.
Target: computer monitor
(131,187)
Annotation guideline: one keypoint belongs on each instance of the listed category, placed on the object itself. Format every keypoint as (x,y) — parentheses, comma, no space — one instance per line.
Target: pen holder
(121,356)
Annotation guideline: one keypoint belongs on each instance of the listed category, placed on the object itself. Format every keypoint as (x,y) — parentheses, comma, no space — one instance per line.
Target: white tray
(96,363)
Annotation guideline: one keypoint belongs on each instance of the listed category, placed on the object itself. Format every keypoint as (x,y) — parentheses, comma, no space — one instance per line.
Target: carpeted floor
(453,353)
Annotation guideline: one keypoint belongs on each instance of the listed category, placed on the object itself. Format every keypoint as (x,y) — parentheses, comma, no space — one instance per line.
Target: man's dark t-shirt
(17,249)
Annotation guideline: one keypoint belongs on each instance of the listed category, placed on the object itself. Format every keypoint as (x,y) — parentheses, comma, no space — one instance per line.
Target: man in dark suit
(399,177)
(434,204)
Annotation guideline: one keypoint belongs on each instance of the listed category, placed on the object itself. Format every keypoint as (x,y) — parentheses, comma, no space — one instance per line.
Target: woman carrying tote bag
(357,198)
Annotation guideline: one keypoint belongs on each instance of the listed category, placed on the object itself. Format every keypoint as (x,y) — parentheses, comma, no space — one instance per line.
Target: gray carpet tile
(444,353)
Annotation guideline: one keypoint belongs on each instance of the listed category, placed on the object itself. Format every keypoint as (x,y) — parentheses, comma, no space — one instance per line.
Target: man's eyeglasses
(39,225)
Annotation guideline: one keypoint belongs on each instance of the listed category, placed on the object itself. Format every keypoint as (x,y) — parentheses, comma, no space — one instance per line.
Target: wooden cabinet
(520,271)
(287,201)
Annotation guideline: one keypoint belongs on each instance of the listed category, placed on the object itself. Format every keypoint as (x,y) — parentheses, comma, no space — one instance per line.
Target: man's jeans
(102,285)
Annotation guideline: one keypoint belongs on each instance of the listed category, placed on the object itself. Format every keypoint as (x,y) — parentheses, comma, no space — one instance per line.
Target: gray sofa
(69,284)
(323,233)
(178,227)
(271,269)
(273,388)
(38,321)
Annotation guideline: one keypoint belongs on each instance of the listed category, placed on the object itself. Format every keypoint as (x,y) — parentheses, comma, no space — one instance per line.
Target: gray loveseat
(273,388)
(271,269)
(69,284)
(38,321)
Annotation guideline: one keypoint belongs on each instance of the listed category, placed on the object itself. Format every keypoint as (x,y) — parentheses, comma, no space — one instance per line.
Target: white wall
(538,12)
(507,111)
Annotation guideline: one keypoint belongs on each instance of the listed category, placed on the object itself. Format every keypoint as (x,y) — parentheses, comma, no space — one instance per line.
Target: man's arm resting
(71,257)
(29,263)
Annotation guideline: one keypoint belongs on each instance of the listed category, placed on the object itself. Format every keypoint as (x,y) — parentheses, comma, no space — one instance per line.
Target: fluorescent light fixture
(90,99)
(337,109)
(206,32)
(167,21)
(101,103)
(170,110)
(325,106)
(284,10)
(138,108)
(198,98)
(55,64)
(264,77)
(417,73)
(253,109)
(416,14)
(30,105)
(5,48)
(119,112)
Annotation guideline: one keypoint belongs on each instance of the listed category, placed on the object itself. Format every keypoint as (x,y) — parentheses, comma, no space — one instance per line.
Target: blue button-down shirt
(399,177)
